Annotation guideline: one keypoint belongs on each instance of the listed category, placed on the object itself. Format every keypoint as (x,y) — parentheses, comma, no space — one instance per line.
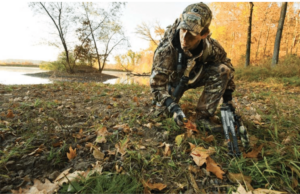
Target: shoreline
(75,77)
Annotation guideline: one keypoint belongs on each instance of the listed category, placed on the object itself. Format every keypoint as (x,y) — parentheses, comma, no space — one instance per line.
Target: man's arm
(218,54)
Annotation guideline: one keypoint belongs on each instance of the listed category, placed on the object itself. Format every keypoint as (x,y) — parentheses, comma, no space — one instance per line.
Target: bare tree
(100,25)
(249,36)
(144,30)
(278,34)
(61,14)
(111,40)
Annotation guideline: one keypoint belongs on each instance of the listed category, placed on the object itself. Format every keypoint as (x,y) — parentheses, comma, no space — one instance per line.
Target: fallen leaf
(167,151)
(209,138)
(72,153)
(190,125)
(98,154)
(253,140)
(62,175)
(122,146)
(135,99)
(79,135)
(213,167)
(239,178)
(287,140)
(179,139)
(267,191)
(38,150)
(154,186)
(69,177)
(10,114)
(97,167)
(192,146)
(241,190)
(200,154)
(57,144)
(149,125)
(40,188)
(101,133)
(120,126)
(254,153)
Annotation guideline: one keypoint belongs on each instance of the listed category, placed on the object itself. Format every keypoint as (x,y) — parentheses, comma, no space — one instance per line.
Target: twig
(70,182)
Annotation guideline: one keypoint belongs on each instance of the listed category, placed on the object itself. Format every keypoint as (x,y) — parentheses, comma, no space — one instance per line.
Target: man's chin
(185,47)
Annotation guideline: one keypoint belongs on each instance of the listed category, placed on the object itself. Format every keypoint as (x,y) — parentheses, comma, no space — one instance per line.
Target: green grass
(104,183)
(287,72)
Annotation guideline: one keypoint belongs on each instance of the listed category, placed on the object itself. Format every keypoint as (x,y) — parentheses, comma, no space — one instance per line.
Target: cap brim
(189,26)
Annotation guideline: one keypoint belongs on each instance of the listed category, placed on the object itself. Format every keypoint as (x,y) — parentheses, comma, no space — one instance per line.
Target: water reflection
(124,79)
(17,76)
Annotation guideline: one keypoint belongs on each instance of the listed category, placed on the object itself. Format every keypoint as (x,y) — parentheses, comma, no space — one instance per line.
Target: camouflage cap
(195,17)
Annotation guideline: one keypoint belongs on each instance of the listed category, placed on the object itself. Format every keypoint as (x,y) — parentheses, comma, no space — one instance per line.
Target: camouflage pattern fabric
(195,17)
(216,76)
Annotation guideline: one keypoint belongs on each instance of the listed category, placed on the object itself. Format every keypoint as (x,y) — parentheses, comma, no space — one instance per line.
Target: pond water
(17,76)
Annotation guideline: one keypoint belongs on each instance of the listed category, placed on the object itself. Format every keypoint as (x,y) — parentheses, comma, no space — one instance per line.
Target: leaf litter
(123,138)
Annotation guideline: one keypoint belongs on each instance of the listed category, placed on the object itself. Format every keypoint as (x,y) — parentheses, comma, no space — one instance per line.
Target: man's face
(189,41)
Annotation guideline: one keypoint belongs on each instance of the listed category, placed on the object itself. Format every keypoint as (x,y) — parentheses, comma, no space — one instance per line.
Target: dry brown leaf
(167,151)
(122,146)
(39,188)
(10,114)
(241,190)
(191,126)
(154,186)
(38,150)
(149,125)
(122,126)
(200,154)
(98,154)
(79,135)
(213,167)
(267,191)
(57,144)
(101,133)
(287,140)
(72,153)
(192,146)
(135,99)
(97,167)
(69,177)
(209,138)
(240,178)
(62,175)
(254,153)
(253,140)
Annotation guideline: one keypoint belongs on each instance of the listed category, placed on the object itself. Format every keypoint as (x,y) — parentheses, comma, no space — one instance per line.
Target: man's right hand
(179,117)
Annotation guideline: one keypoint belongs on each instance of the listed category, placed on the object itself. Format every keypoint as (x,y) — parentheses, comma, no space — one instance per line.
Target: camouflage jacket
(164,71)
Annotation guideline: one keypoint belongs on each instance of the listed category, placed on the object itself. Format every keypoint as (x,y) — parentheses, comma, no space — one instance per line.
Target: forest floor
(100,138)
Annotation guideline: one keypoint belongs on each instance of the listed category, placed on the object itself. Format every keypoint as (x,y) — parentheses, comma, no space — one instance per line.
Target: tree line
(249,32)
(87,31)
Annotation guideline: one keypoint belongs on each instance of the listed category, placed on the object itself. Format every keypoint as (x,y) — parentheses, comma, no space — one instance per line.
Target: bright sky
(22,34)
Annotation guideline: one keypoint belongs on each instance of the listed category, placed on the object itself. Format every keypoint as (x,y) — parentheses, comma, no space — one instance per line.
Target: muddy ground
(39,124)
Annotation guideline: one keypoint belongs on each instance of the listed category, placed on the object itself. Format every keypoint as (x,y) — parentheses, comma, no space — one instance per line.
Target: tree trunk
(278,34)
(260,34)
(295,32)
(267,40)
(249,36)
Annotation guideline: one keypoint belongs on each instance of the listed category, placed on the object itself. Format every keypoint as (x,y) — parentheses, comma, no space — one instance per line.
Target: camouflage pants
(215,78)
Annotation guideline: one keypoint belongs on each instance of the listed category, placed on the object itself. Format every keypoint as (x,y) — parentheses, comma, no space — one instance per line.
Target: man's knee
(224,71)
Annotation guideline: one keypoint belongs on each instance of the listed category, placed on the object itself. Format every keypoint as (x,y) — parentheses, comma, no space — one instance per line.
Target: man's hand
(179,117)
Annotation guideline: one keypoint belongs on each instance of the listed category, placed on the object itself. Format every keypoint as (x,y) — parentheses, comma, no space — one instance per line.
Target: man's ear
(205,35)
